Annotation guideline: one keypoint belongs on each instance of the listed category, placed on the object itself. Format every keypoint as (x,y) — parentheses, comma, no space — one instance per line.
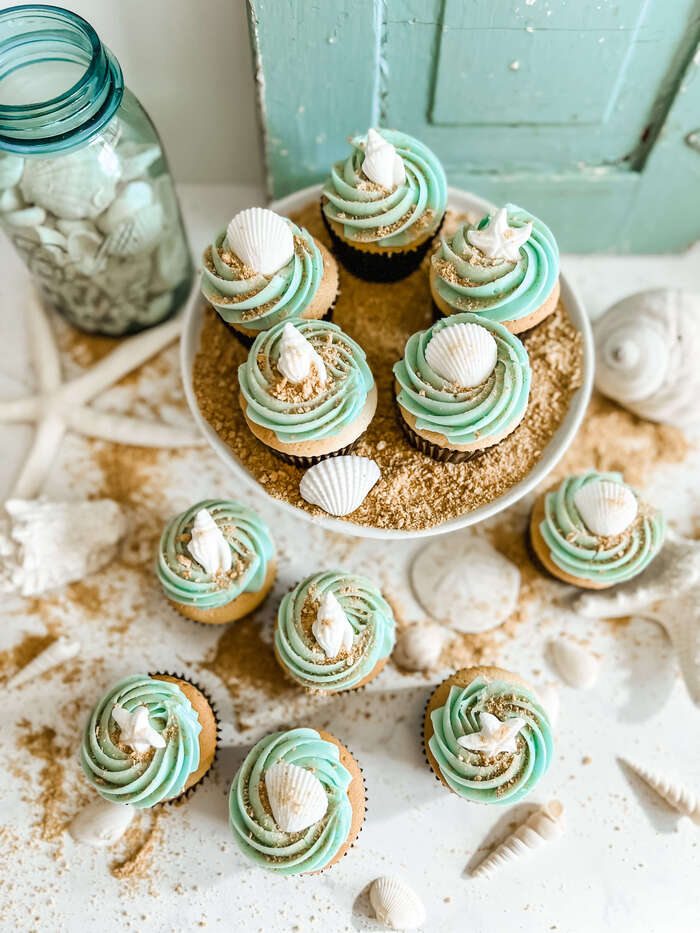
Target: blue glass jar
(86,195)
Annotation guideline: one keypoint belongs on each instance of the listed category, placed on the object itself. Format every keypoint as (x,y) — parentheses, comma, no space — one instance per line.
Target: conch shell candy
(464,354)
(101,823)
(208,546)
(419,645)
(331,627)
(297,355)
(577,667)
(382,163)
(63,649)
(544,825)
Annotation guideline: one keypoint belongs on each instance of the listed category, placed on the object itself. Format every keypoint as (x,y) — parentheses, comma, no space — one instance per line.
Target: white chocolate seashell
(331,627)
(261,239)
(10,169)
(297,356)
(549,698)
(339,485)
(10,200)
(135,159)
(80,184)
(419,645)
(607,508)
(207,544)
(679,798)
(297,797)
(577,667)
(63,649)
(647,347)
(395,904)
(382,163)
(544,825)
(462,354)
(101,823)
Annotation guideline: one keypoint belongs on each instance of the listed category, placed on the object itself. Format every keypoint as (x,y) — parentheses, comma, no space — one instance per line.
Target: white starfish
(495,736)
(499,241)
(135,728)
(60,406)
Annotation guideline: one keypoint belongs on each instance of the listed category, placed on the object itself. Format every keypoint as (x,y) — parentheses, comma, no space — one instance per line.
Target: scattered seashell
(261,239)
(463,354)
(395,904)
(101,823)
(63,649)
(577,667)
(80,184)
(297,797)
(549,698)
(607,508)
(544,825)
(339,485)
(26,217)
(10,169)
(135,159)
(207,544)
(10,200)
(297,356)
(382,163)
(669,789)
(419,645)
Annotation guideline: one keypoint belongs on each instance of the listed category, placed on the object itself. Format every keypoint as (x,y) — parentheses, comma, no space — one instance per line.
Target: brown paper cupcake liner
(441,454)
(305,462)
(247,342)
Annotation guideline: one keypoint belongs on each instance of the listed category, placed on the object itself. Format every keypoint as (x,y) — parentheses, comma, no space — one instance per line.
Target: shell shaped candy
(297,356)
(463,354)
(419,645)
(544,825)
(331,628)
(395,904)
(101,823)
(607,508)
(261,239)
(382,163)
(207,544)
(339,485)
(577,667)
(297,797)
(677,796)
(80,184)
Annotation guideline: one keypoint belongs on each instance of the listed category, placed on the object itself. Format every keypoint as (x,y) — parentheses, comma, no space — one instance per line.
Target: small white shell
(10,200)
(63,649)
(607,508)
(339,485)
(297,797)
(541,827)
(418,646)
(549,698)
(135,159)
(207,544)
(261,239)
(462,354)
(101,823)
(669,789)
(133,222)
(26,217)
(331,627)
(395,904)
(10,169)
(297,356)
(382,163)
(577,667)
(80,184)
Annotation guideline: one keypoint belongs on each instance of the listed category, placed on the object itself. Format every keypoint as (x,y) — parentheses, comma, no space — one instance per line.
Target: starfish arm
(473,741)
(45,355)
(20,409)
(137,432)
(40,459)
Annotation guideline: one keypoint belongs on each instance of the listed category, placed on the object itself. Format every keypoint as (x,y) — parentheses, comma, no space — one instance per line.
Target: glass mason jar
(86,195)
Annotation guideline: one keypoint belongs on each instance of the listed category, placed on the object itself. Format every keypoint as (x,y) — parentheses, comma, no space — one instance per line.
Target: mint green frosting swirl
(185,581)
(366,210)
(369,615)
(120,775)
(259,302)
(464,416)
(580,553)
(496,289)
(504,778)
(336,406)
(255,830)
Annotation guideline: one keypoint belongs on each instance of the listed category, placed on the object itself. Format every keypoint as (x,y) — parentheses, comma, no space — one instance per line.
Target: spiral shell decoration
(577,667)
(101,823)
(544,825)
(297,356)
(464,354)
(208,546)
(296,796)
(647,350)
(419,645)
(395,904)
(607,508)
(63,649)
(261,239)
(339,485)
(382,164)
(679,798)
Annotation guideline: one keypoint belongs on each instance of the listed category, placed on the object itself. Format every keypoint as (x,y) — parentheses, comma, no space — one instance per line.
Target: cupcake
(297,803)
(216,561)
(306,391)
(384,204)
(150,739)
(462,386)
(334,632)
(594,531)
(263,269)
(505,269)
(487,736)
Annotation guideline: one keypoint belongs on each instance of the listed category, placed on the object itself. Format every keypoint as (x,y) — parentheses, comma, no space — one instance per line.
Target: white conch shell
(63,649)
(134,222)
(208,546)
(10,169)
(80,184)
(679,798)
(101,823)
(463,580)
(382,163)
(647,348)
(542,826)
(498,240)
(297,356)
(549,698)
(339,485)
(607,508)
(577,667)
(419,645)
(297,797)
(463,354)
(136,158)
(395,904)
(261,239)
(47,544)
(331,627)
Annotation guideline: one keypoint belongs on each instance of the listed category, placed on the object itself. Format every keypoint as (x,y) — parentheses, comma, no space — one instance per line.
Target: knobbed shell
(331,628)
(207,544)
(80,184)
(297,356)
(261,239)
(395,904)
(297,798)
(541,827)
(101,823)
(419,645)
(647,348)
(339,485)
(63,649)
(382,163)
(577,667)
(463,354)
(669,789)
(607,508)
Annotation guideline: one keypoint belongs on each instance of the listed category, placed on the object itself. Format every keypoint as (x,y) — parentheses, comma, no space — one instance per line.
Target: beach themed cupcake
(487,736)
(150,739)
(594,531)
(462,386)
(505,269)
(297,803)
(334,632)
(263,269)
(216,561)
(384,204)
(306,391)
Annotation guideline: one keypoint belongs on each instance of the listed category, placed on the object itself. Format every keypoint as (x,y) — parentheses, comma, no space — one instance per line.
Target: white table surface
(626,862)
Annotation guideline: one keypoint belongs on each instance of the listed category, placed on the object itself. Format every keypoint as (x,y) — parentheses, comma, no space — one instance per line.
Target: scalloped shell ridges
(80,184)
(297,797)
(463,354)
(261,239)
(134,222)
(419,645)
(395,904)
(101,822)
(677,796)
(339,485)
(576,666)
(541,827)
(607,508)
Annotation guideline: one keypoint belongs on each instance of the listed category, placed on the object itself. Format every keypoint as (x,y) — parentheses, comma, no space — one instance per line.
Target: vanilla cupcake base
(357,795)
(239,607)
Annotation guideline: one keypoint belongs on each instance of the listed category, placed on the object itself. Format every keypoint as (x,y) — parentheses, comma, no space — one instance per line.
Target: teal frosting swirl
(326,414)
(467,415)
(259,302)
(254,828)
(503,778)
(494,288)
(369,615)
(366,211)
(122,776)
(580,553)
(184,581)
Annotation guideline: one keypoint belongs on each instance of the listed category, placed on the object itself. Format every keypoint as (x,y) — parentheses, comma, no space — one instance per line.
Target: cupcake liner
(441,454)
(425,749)
(305,462)
(320,871)
(247,342)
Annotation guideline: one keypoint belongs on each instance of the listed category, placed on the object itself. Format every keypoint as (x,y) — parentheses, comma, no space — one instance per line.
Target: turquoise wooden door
(587,112)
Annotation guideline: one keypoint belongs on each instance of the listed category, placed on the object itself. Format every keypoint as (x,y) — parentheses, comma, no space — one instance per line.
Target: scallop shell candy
(395,904)
(606,508)
(382,164)
(136,158)
(261,239)
(11,167)
(544,825)
(462,354)
(339,485)
(79,185)
(297,797)
(678,797)
(63,649)
(577,667)
(101,823)
(419,645)
(207,544)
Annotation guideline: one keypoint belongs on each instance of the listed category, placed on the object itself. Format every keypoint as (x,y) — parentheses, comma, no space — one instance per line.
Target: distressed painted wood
(580,111)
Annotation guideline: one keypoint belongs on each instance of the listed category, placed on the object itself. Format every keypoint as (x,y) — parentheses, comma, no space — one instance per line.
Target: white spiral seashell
(63,649)
(577,667)
(10,169)
(331,627)
(297,797)
(207,544)
(297,356)
(80,184)
(679,798)
(382,163)
(261,239)
(101,823)
(395,904)
(419,645)
(647,350)
(463,354)
(607,508)
(541,827)
(135,159)
(339,485)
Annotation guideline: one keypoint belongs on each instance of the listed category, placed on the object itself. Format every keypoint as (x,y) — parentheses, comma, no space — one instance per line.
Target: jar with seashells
(86,195)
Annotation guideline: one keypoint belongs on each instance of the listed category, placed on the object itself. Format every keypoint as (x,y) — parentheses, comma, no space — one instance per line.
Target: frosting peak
(497,239)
